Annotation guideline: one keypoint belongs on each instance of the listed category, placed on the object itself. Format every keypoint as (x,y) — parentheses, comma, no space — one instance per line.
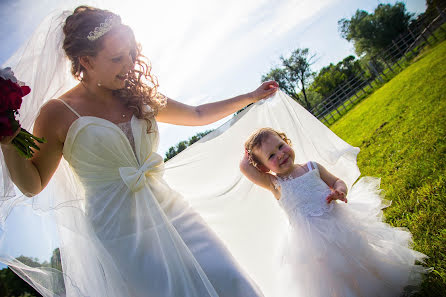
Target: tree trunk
(305,96)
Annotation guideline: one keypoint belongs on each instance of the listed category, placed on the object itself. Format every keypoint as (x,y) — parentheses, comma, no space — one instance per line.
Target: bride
(126,232)
(110,206)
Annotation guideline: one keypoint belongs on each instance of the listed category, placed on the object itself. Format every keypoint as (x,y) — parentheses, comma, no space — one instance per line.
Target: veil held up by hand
(246,217)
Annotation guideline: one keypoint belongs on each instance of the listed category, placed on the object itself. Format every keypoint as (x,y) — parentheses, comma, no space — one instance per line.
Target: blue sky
(204,50)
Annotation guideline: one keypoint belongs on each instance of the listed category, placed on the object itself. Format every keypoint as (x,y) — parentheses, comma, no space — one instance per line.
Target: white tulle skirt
(349,251)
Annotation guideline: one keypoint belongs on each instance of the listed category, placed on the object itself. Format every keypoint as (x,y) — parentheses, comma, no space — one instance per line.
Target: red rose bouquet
(11,93)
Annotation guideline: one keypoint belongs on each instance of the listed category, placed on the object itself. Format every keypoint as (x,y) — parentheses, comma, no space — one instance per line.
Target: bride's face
(276,154)
(112,64)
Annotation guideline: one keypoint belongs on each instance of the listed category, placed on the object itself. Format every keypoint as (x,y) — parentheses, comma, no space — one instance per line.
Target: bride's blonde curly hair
(257,138)
(141,86)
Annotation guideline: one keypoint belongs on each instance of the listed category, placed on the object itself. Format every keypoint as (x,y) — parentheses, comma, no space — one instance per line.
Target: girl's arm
(339,188)
(265,180)
(181,114)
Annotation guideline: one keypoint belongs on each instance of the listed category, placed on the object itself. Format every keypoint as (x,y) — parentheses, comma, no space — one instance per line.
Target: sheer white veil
(29,242)
(42,65)
(246,217)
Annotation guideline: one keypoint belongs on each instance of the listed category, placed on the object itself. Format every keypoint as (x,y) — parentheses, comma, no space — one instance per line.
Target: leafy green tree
(56,262)
(295,75)
(372,33)
(433,8)
(12,285)
(331,76)
(182,145)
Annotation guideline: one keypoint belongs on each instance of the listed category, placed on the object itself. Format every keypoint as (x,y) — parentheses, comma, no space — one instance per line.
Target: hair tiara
(103,28)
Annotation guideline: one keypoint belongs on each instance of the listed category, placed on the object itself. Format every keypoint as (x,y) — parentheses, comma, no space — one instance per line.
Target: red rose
(15,100)
(4,91)
(5,125)
(11,95)
(25,90)
(10,101)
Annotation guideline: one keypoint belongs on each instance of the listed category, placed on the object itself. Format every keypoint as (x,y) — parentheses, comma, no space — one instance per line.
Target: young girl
(332,249)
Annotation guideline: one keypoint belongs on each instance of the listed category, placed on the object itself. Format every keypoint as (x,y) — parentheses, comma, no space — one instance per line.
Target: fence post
(431,33)
(400,54)
(441,13)
(388,66)
(403,38)
(373,69)
(422,36)
(405,45)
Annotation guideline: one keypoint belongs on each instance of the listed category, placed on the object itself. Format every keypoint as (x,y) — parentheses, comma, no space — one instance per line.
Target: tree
(372,33)
(182,145)
(12,285)
(433,9)
(331,76)
(295,75)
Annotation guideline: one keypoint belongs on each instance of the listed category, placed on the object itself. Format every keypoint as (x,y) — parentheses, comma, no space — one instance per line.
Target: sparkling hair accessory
(102,29)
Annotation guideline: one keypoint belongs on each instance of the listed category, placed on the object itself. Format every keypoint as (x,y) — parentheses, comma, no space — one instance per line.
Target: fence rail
(380,68)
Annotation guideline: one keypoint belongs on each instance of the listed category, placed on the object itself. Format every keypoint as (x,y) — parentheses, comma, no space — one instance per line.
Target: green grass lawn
(400,129)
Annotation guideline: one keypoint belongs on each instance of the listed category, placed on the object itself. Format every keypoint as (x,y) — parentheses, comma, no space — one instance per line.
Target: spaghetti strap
(69,107)
(310,166)
(314,164)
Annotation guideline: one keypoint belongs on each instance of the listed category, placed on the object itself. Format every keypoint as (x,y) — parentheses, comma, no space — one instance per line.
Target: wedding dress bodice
(126,127)
(305,194)
(107,166)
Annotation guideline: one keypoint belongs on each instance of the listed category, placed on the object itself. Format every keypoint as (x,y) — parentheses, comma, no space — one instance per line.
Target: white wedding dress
(150,242)
(342,249)
(111,221)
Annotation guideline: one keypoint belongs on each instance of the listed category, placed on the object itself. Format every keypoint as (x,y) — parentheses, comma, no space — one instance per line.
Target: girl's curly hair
(256,139)
(141,86)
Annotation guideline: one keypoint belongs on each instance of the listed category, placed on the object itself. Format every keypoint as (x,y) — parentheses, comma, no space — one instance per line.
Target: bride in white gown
(112,207)
(123,231)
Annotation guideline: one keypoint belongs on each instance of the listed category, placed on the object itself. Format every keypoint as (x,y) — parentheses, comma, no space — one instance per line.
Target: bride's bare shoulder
(57,116)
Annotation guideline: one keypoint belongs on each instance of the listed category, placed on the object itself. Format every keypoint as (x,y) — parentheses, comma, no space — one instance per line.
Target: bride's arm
(181,114)
(31,176)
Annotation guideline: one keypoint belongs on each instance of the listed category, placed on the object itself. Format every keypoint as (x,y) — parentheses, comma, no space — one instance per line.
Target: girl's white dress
(342,249)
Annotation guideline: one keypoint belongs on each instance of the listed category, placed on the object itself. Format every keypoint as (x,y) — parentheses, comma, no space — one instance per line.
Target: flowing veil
(246,217)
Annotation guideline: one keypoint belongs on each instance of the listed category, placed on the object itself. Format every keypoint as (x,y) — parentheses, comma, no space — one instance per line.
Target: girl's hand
(265,90)
(260,167)
(336,195)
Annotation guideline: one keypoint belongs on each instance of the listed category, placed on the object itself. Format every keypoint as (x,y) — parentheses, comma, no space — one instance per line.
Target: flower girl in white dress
(332,249)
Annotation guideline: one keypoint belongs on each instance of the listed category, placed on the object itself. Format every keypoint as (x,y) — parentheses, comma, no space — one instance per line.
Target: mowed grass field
(400,130)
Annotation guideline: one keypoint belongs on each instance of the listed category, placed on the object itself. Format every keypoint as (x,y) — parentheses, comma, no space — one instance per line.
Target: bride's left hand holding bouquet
(11,93)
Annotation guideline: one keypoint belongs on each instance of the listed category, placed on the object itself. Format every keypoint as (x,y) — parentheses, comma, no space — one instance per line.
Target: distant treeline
(370,34)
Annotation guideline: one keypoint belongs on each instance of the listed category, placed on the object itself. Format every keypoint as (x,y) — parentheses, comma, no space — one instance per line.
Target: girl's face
(276,154)
(112,64)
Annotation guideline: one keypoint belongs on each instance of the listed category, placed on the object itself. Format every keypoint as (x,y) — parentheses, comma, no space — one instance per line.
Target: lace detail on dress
(276,183)
(305,194)
(126,127)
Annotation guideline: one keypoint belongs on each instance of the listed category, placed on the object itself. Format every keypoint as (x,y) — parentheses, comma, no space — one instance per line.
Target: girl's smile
(276,155)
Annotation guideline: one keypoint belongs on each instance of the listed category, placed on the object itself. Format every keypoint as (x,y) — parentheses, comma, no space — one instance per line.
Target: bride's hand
(7,140)
(265,90)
